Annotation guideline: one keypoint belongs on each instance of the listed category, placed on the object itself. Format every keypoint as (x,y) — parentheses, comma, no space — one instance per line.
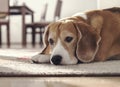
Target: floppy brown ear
(87,44)
(95,20)
(46,48)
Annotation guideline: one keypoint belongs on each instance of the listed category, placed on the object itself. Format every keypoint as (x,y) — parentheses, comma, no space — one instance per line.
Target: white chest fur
(83,15)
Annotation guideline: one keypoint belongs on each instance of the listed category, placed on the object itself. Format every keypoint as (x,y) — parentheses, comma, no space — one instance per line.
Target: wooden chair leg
(33,36)
(0,36)
(8,35)
(41,37)
(25,37)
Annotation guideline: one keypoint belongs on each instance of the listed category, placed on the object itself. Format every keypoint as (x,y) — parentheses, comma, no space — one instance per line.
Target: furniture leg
(25,37)
(33,36)
(8,35)
(0,36)
(32,17)
(23,27)
(41,37)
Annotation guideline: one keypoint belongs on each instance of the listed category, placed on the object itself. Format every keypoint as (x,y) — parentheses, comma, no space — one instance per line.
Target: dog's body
(93,36)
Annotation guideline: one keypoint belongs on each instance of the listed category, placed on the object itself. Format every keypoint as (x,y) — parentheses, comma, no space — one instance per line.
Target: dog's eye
(51,41)
(68,39)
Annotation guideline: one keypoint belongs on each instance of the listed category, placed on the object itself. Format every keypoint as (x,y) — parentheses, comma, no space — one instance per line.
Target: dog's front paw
(41,58)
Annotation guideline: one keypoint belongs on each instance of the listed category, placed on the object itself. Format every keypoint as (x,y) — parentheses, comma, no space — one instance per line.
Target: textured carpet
(18,68)
(15,68)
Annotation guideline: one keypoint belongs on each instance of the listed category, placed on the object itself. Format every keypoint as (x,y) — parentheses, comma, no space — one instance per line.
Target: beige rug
(11,67)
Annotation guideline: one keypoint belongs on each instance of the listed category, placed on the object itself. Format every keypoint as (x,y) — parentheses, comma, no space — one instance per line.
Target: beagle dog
(88,37)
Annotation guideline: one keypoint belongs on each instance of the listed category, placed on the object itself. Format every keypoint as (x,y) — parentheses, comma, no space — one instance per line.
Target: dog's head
(68,42)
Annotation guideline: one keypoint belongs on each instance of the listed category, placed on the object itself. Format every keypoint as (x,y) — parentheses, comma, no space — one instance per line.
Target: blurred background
(68,8)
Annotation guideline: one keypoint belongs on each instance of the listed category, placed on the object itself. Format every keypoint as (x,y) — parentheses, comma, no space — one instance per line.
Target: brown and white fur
(92,36)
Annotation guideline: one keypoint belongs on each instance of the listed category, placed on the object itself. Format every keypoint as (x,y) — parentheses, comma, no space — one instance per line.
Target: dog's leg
(41,58)
(104,49)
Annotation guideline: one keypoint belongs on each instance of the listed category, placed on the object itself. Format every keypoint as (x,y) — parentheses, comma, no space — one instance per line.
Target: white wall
(69,8)
(108,3)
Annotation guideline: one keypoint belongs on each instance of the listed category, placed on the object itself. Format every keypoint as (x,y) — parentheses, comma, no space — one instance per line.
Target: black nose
(56,59)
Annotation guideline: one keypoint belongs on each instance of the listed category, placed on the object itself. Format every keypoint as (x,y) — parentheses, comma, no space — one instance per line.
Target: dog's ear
(95,21)
(46,48)
(87,44)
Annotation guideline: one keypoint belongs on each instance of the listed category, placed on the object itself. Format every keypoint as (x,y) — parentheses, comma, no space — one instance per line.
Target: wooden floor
(60,82)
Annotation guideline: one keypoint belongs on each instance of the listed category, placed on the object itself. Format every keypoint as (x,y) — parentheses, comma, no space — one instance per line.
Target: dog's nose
(56,59)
